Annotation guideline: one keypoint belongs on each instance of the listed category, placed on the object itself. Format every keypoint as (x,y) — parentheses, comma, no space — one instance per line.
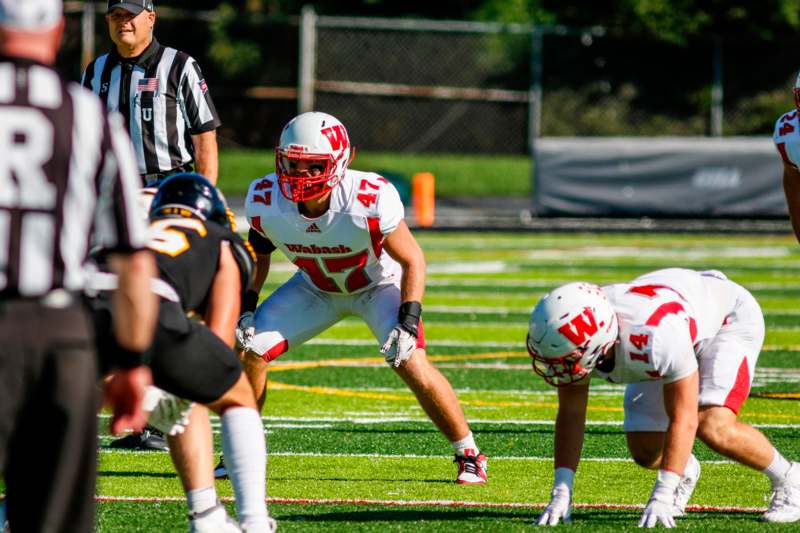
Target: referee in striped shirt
(67,179)
(161,93)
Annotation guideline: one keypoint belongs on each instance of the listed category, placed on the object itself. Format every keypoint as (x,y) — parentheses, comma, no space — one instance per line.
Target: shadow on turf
(479,430)
(351,479)
(408,515)
(117,473)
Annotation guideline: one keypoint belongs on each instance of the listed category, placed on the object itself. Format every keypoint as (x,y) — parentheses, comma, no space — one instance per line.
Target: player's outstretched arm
(246,325)
(135,310)
(224,302)
(402,341)
(680,403)
(403,248)
(569,431)
(791,188)
(135,306)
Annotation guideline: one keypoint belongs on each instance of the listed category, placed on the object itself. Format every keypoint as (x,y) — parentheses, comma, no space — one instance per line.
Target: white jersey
(666,318)
(342,250)
(787,137)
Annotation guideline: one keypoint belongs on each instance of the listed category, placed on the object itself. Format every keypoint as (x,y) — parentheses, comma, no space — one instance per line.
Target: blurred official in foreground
(67,178)
(161,93)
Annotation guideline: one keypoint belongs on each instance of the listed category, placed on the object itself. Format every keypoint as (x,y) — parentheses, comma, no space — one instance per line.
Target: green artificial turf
(343,428)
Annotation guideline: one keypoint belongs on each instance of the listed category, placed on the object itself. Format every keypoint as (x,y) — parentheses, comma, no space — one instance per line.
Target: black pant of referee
(48,401)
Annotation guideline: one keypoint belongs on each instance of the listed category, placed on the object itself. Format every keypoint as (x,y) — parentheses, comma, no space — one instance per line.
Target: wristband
(250,301)
(127,359)
(564,476)
(408,316)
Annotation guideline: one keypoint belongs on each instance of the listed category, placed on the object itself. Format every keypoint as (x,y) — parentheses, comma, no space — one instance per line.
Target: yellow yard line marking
(780,395)
(355,361)
(787,347)
(330,391)
(409,397)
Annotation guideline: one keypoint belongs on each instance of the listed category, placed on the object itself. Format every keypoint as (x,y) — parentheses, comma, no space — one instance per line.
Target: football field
(351,450)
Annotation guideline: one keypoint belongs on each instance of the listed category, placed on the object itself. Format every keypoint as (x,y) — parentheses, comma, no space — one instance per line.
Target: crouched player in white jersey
(687,343)
(344,230)
(787,141)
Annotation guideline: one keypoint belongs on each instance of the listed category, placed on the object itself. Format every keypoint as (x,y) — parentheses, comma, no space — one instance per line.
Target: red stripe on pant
(277,350)
(740,390)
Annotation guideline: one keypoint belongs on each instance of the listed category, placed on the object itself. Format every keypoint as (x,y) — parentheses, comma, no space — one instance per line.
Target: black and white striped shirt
(164,98)
(67,179)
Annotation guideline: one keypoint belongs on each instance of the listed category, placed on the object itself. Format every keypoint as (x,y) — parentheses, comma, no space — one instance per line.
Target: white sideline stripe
(302,422)
(478,310)
(429,503)
(549,284)
(683,253)
(421,456)
(470,267)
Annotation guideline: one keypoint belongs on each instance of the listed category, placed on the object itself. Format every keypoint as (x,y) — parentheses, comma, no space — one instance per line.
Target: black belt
(152,180)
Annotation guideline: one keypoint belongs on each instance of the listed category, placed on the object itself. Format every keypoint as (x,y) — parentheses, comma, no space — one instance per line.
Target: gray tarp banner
(661,176)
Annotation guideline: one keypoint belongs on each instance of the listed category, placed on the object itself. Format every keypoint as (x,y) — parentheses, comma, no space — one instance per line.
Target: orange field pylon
(422,198)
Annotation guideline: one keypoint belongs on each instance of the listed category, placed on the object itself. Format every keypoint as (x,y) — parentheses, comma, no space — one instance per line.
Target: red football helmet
(312,156)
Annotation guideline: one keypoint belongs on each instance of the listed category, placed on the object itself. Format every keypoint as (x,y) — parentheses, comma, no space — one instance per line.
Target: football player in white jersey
(344,230)
(787,141)
(687,343)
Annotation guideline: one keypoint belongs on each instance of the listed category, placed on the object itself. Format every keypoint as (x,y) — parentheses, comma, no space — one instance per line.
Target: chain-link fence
(446,86)
(425,86)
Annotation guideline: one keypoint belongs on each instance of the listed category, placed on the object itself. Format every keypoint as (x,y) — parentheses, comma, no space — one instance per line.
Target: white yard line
(429,503)
(281,422)
(424,456)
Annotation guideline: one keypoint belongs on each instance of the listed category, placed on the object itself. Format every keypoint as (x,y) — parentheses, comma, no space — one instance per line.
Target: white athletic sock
(200,500)
(778,468)
(462,446)
(692,466)
(245,450)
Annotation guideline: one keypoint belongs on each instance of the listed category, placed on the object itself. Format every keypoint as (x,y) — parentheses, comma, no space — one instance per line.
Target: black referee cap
(134,6)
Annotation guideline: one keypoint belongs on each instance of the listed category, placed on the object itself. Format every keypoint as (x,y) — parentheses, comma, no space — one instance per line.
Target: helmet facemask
(318,177)
(570,331)
(569,368)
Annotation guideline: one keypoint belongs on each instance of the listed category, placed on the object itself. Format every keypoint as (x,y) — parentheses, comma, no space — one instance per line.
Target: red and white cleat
(471,468)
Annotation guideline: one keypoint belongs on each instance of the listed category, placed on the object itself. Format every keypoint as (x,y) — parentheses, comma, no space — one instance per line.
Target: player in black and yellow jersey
(205,269)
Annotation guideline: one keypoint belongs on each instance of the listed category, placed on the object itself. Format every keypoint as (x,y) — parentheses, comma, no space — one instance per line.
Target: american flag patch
(147,85)
(203,86)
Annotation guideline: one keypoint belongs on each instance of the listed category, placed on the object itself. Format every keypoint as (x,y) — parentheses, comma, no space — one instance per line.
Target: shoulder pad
(262,195)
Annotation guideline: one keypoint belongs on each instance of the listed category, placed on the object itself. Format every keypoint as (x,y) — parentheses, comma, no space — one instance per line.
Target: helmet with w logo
(312,156)
(570,330)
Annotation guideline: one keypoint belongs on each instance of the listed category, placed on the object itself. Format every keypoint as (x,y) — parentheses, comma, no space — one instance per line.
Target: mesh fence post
(308,59)
(535,105)
(717,91)
(87,34)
